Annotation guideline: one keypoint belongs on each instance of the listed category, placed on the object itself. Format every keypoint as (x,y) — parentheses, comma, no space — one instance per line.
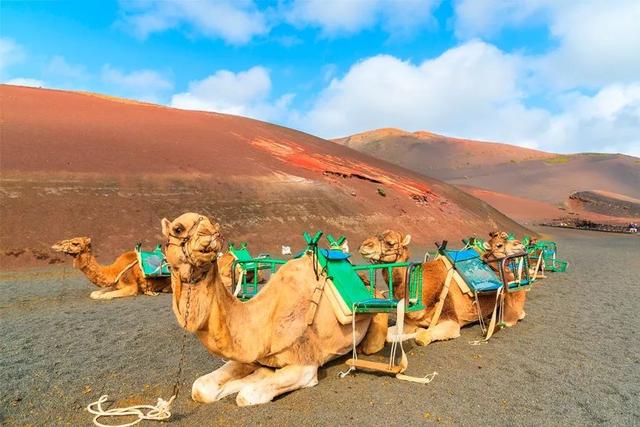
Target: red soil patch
(293,153)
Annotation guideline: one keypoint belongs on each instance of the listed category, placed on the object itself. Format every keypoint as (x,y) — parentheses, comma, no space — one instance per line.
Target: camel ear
(486,246)
(87,241)
(493,234)
(166,227)
(406,240)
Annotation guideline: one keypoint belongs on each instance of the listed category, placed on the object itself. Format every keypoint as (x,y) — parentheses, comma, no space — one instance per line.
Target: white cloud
(474,91)
(25,81)
(599,44)
(235,21)
(466,91)
(339,17)
(597,41)
(487,18)
(147,85)
(245,93)
(10,53)
(607,121)
(59,68)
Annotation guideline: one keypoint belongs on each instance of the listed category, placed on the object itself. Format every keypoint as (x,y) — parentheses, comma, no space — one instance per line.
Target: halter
(397,247)
(193,231)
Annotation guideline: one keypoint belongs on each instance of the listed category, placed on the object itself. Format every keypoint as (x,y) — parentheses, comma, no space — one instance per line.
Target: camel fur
(459,307)
(131,282)
(274,342)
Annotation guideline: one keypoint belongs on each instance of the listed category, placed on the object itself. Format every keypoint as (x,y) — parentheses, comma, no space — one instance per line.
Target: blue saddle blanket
(334,254)
(479,276)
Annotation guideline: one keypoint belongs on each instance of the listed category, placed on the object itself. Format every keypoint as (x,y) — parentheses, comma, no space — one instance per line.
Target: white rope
(158,412)
(424,380)
(353,337)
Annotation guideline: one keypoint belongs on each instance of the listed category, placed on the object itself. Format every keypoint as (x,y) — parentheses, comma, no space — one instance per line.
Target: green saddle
(152,263)
(344,275)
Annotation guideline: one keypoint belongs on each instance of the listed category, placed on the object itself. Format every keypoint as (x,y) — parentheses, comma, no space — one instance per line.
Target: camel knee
(205,390)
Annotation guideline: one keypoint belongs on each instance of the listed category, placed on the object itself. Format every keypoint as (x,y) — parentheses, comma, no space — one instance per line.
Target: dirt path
(575,360)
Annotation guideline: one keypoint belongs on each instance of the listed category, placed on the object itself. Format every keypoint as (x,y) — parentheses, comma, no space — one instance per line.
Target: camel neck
(213,315)
(87,263)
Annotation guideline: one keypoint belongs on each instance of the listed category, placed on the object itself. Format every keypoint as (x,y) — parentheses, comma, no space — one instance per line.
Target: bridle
(397,248)
(182,243)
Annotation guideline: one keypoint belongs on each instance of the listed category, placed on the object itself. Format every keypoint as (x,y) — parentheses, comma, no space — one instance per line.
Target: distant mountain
(500,174)
(85,164)
(437,155)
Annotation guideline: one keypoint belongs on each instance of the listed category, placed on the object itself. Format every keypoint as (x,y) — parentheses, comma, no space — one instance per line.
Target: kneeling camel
(275,342)
(459,308)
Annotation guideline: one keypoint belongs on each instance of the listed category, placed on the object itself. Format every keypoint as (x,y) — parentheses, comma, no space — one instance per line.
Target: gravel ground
(573,361)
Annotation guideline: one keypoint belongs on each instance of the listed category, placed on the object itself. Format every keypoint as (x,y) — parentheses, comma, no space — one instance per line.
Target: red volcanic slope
(436,155)
(84,164)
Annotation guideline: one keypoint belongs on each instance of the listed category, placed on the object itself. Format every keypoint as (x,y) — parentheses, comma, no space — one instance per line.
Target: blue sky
(557,75)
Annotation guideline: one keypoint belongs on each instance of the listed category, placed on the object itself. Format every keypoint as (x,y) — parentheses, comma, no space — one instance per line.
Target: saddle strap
(443,296)
(124,270)
(315,301)
(494,316)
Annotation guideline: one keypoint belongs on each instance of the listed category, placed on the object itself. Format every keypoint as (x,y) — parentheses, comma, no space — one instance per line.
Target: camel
(459,308)
(120,279)
(131,282)
(276,341)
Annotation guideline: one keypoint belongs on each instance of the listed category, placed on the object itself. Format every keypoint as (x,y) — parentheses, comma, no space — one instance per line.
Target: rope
(424,380)
(158,412)
(354,352)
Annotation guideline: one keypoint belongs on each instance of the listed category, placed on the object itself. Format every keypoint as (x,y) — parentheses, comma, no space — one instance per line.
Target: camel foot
(423,337)
(151,293)
(522,316)
(222,382)
(95,294)
(281,381)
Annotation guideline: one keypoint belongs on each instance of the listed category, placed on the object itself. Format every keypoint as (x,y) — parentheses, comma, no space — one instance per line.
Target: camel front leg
(278,382)
(127,291)
(376,336)
(444,330)
(211,387)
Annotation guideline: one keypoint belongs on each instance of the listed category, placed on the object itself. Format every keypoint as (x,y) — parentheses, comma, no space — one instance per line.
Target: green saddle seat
(152,263)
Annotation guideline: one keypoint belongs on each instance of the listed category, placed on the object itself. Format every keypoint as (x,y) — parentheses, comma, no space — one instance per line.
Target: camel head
(193,243)
(499,246)
(389,246)
(73,247)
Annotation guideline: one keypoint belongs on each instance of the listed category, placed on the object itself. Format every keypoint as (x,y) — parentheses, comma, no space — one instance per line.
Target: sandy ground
(575,359)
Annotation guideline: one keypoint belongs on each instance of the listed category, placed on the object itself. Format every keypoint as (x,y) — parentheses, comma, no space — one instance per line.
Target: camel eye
(178,229)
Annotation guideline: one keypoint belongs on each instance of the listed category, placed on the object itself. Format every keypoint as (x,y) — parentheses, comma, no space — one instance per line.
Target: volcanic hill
(74,164)
(526,184)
